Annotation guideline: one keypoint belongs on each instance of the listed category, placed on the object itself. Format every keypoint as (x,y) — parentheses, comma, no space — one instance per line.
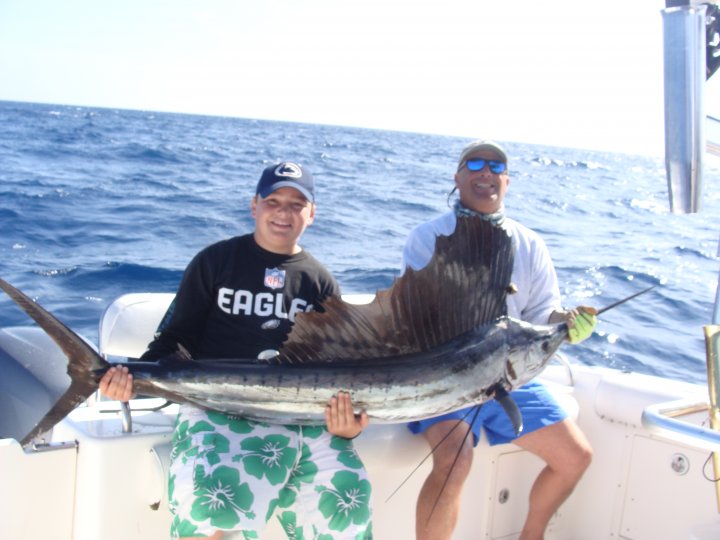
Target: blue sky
(570,73)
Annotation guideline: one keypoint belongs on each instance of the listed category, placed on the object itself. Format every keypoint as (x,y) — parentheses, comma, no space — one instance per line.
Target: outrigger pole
(691,33)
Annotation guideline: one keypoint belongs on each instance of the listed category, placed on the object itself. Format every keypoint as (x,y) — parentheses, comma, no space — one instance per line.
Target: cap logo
(289,170)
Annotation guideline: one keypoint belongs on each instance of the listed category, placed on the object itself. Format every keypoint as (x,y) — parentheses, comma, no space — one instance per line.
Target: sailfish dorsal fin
(464,286)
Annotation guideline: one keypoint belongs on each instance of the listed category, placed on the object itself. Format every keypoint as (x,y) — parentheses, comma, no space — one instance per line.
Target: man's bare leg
(438,524)
(567,454)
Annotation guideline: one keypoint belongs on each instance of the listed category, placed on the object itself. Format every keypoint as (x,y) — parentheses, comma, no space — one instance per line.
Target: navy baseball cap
(286,174)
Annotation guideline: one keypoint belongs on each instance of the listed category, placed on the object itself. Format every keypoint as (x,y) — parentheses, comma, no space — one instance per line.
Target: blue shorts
(538,408)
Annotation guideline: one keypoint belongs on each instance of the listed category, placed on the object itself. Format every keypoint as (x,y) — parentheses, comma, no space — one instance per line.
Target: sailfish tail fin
(84,365)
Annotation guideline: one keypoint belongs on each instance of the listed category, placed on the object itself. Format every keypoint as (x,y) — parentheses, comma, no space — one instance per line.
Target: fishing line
(704,470)
(476,411)
(432,450)
(457,456)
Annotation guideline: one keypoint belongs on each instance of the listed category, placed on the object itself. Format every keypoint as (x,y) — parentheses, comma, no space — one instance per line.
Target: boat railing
(691,35)
(666,419)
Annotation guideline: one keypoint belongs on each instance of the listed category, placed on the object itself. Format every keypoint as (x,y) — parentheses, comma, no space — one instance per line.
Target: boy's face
(280,219)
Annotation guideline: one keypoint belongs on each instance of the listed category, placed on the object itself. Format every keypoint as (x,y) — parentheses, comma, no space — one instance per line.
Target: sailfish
(437,340)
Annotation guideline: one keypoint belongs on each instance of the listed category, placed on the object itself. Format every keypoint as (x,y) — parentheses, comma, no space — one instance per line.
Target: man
(482,181)
(238,299)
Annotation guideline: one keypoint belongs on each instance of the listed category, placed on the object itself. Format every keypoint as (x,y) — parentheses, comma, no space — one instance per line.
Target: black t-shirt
(237,299)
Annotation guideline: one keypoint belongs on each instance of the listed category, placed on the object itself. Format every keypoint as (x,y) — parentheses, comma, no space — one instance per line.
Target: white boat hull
(95,481)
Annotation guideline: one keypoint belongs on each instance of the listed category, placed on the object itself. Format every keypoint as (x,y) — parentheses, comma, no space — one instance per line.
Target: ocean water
(95,203)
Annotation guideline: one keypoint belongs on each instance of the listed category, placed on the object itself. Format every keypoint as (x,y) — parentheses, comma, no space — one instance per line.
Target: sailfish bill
(439,339)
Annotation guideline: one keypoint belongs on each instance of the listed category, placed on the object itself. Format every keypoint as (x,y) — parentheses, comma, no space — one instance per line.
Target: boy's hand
(340,418)
(117,384)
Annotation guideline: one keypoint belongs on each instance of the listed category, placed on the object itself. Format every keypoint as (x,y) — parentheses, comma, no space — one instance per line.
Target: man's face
(482,191)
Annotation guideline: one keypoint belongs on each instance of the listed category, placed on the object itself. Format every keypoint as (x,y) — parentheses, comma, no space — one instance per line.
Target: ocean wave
(95,203)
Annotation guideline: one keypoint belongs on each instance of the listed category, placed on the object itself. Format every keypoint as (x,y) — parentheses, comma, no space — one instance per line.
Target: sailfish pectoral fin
(509,406)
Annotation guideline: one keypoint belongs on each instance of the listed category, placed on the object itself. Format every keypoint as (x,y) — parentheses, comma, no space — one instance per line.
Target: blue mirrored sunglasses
(478,164)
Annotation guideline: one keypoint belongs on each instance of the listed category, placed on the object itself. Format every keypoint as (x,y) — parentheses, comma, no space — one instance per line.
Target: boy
(238,299)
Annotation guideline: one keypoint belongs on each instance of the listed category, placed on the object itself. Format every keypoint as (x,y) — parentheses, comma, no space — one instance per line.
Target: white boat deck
(95,481)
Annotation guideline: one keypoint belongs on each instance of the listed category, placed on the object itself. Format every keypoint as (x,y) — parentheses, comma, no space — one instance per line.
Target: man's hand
(581,324)
(117,384)
(340,418)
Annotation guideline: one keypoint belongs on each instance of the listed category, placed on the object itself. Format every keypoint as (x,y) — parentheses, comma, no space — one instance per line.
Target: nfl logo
(274,278)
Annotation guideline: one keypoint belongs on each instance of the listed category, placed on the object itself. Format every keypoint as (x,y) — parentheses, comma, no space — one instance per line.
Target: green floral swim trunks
(232,474)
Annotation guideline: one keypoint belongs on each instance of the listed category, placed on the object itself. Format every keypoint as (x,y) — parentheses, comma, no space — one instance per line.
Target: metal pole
(126,417)
(684,65)
(712,347)
(716,308)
